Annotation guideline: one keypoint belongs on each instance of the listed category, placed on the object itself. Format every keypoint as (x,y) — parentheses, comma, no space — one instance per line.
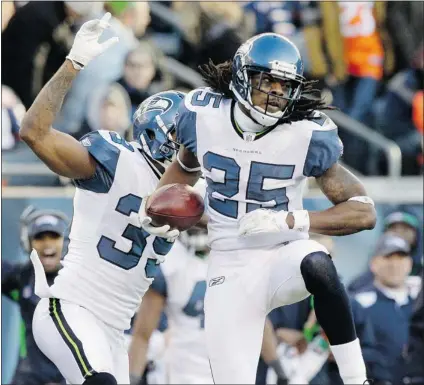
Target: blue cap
(392,244)
(402,217)
(47,223)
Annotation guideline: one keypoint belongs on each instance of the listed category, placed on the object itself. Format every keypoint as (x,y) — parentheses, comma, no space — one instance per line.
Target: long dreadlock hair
(218,77)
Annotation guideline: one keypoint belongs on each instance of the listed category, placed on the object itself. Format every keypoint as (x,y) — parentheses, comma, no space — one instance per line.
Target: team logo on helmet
(156,104)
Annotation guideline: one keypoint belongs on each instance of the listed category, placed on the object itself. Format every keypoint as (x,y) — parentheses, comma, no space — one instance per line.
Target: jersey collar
(247,135)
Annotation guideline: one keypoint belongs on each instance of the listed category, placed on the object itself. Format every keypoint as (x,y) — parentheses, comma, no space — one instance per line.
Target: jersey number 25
(255,191)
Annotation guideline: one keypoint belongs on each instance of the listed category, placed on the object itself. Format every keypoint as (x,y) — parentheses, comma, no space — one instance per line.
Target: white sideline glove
(86,46)
(162,231)
(263,221)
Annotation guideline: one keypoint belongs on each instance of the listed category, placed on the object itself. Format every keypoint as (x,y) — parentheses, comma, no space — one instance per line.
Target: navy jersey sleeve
(325,147)
(106,156)
(186,128)
(159,283)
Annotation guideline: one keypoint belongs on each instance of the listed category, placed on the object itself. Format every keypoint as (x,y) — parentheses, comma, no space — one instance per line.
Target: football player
(257,134)
(79,323)
(178,289)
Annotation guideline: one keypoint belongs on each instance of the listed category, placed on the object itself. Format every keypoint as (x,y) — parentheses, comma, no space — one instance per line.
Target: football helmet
(195,239)
(272,54)
(154,124)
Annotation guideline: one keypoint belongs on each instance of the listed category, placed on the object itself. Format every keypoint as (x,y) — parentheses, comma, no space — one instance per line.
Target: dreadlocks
(218,77)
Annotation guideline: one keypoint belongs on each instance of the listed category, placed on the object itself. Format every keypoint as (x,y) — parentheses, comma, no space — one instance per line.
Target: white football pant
(243,287)
(78,343)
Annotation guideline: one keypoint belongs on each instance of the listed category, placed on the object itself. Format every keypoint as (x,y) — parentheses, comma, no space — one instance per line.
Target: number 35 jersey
(110,260)
(245,172)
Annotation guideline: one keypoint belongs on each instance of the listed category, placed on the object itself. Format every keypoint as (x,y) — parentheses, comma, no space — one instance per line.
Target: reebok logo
(216,281)
(86,142)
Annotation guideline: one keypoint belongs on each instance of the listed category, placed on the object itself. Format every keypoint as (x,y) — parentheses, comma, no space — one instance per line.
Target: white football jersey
(181,279)
(110,260)
(246,171)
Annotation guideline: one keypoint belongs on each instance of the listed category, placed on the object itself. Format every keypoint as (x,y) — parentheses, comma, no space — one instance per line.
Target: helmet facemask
(278,101)
(159,145)
(195,239)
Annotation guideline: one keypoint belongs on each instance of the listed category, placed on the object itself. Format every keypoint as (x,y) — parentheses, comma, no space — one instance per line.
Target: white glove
(86,45)
(162,231)
(263,221)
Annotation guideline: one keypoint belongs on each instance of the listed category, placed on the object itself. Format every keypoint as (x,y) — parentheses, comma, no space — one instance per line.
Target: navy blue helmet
(276,56)
(154,124)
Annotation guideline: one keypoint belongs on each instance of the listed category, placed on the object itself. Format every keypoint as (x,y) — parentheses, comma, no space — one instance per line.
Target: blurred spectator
(36,42)
(361,54)
(405,24)
(401,224)
(286,18)
(133,14)
(139,71)
(396,114)
(12,112)
(129,18)
(311,361)
(274,16)
(9,129)
(109,109)
(143,75)
(352,52)
(388,303)
(44,231)
(214,30)
(414,370)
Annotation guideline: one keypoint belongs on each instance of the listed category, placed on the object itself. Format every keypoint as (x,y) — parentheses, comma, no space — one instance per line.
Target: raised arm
(63,154)
(60,152)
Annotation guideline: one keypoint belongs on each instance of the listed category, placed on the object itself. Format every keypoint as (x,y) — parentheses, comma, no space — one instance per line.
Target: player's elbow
(27,130)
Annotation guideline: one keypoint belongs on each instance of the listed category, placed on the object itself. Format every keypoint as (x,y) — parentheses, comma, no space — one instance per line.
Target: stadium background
(163,42)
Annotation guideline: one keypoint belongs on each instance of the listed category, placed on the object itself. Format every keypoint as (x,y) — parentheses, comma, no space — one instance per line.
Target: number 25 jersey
(111,260)
(247,172)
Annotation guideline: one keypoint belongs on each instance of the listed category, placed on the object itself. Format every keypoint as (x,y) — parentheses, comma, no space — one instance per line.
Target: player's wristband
(362,199)
(301,220)
(78,66)
(185,168)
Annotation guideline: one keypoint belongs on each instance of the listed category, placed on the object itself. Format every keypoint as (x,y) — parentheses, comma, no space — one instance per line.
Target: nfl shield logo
(249,136)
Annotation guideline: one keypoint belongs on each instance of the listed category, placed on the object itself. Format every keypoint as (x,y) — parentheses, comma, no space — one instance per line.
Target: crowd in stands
(369,61)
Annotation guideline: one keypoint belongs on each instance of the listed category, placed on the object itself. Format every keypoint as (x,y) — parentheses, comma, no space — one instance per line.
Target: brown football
(177,205)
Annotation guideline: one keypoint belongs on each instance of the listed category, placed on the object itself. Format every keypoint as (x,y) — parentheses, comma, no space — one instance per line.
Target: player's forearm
(38,120)
(269,343)
(175,174)
(343,219)
(138,356)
